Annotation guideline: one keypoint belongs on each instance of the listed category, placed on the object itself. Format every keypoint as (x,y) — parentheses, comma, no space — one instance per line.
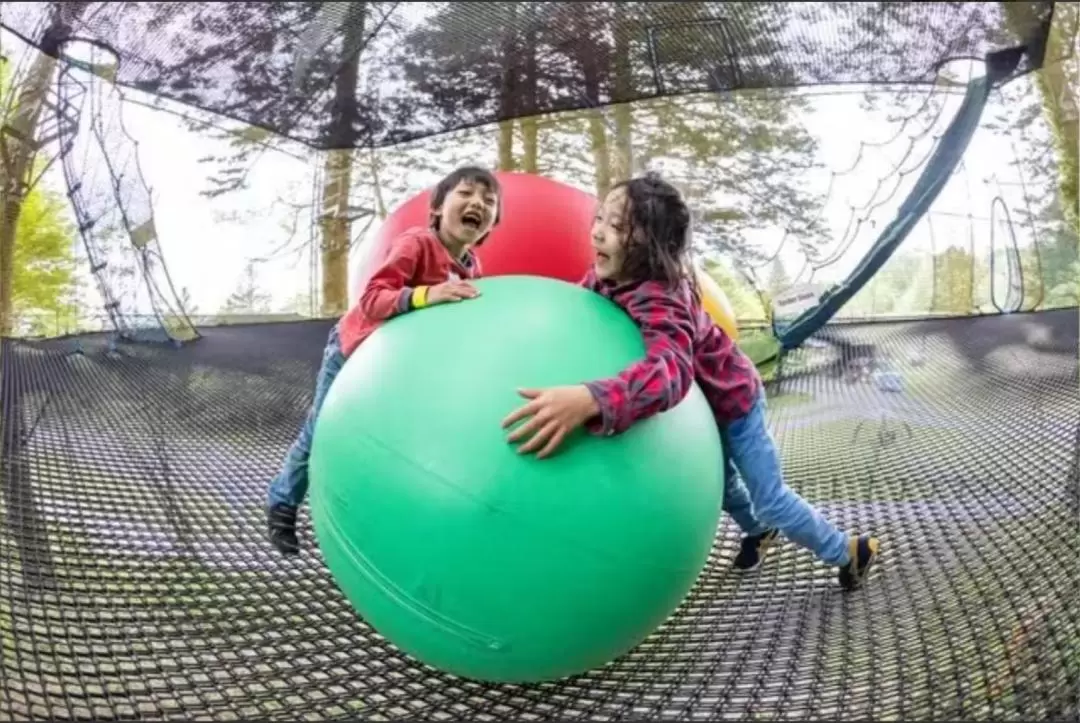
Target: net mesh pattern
(135,580)
(342,74)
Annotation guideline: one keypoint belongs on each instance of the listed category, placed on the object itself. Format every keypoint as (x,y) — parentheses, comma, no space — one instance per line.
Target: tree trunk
(598,143)
(506,145)
(376,185)
(17,150)
(530,145)
(1060,106)
(529,130)
(624,154)
(508,92)
(336,231)
(1058,97)
(337,180)
(1059,103)
(18,147)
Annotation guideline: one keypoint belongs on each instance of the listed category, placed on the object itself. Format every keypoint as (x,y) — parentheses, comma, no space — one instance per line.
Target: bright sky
(206,252)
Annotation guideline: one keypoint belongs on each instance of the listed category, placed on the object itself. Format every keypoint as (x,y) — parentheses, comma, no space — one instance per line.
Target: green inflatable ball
(483,562)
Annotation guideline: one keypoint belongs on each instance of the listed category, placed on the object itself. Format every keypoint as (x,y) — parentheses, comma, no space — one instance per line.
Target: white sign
(797,299)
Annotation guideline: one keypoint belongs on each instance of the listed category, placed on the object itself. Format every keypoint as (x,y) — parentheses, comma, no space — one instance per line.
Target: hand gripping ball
(478,560)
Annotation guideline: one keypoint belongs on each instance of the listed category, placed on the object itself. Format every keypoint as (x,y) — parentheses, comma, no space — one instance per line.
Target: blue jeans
(291,484)
(757,498)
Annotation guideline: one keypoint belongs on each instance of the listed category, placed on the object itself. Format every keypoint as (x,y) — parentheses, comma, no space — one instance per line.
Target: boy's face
(467,215)
(609,235)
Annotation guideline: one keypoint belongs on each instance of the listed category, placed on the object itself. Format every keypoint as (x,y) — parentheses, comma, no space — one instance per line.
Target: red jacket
(682,345)
(417,258)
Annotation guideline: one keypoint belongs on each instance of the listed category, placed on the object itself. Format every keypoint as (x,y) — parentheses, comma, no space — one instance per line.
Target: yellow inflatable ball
(716,304)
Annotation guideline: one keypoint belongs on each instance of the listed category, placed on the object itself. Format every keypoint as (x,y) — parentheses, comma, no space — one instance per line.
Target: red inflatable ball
(544,231)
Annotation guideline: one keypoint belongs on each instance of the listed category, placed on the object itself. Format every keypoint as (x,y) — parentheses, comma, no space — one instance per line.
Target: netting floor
(135,581)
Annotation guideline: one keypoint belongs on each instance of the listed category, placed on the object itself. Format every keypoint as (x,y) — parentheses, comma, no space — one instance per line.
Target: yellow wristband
(419,297)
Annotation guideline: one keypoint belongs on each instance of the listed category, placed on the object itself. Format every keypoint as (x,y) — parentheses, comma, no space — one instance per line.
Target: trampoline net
(135,580)
(427,68)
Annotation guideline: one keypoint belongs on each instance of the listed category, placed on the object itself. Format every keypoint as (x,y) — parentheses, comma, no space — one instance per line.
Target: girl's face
(609,235)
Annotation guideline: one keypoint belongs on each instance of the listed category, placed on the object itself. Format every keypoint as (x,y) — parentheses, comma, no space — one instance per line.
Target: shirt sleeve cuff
(604,422)
(404,301)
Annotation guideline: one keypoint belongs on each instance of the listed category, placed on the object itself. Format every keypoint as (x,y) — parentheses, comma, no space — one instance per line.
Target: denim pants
(291,484)
(757,498)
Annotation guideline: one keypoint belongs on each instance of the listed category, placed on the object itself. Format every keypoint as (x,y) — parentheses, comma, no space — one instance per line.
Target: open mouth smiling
(472,220)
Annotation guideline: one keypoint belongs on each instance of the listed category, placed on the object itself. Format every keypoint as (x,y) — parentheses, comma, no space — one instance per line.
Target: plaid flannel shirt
(683,345)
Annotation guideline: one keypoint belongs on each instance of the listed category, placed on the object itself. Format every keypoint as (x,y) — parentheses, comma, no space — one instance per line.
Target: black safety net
(135,580)
(342,74)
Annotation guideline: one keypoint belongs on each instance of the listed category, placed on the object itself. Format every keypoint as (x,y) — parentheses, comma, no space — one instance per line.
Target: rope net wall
(111,201)
(752,205)
(419,65)
(135,580)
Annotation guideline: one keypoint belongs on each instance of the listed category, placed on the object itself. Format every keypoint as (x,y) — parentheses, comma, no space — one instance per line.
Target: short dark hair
(467,174)
(658,238)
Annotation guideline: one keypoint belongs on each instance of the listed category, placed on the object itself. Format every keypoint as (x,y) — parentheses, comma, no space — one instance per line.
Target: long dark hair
(657,220)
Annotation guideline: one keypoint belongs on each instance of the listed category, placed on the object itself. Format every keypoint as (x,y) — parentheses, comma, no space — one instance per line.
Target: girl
(641,238)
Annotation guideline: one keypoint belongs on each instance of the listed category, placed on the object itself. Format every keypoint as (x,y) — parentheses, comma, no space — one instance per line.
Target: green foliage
(1052,268)
(762,348)
(759,141)
(738,159)
(745,301)
(1054,97)
(45,283)
(740,162)
(750,310)
(742,158)
(952,281)
(1037,114)
(1058,265)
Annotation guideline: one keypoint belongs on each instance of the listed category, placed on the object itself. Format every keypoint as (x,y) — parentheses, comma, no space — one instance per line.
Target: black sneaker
(753,550)
(864,552)
(281,528)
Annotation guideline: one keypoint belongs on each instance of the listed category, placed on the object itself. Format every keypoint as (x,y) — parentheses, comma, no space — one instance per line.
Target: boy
(425,266)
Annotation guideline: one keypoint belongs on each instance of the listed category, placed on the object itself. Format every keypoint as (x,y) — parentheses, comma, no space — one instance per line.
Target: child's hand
(451,291)
(555,413)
